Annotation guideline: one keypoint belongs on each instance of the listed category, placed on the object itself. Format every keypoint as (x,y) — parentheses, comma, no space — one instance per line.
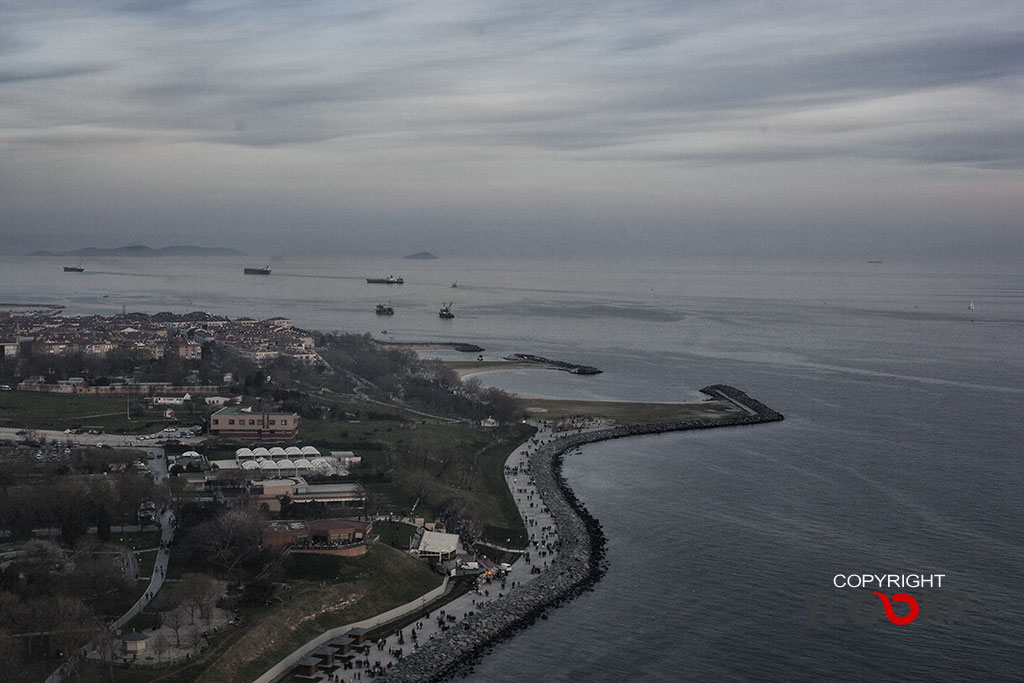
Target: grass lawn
(32,410)
(443,466)
(395,534)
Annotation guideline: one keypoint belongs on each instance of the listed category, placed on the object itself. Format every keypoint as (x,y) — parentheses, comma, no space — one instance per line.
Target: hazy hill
(142,250)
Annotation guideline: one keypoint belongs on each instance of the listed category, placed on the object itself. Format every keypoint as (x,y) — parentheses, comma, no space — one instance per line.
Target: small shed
(134,643)
(358,635)
(325,654)
(308,666)
(342,645)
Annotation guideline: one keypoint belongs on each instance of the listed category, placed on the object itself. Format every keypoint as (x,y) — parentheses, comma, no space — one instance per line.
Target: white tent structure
(322,466)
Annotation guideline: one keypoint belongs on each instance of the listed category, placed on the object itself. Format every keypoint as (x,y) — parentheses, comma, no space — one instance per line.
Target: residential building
(243,422)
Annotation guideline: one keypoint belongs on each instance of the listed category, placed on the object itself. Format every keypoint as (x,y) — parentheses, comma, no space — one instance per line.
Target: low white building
(435,545)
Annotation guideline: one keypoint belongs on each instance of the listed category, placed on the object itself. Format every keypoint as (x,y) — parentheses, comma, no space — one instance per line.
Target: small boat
(265,270)
(389,280)
(446,311)
(74,269)
(455,285)
(970,306)
(385,309)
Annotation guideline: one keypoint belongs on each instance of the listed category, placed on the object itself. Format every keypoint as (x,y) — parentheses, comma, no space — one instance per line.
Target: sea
(901,451)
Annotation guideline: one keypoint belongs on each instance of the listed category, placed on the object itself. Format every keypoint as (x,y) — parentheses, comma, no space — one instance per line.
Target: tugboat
(265,270)
(385,309)
(389,280)
(446,311)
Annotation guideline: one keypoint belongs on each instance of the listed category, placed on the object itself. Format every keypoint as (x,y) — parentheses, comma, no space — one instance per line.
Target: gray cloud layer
(449,118)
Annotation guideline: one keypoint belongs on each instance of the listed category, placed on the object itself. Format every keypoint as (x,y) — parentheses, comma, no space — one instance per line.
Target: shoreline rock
(580,562)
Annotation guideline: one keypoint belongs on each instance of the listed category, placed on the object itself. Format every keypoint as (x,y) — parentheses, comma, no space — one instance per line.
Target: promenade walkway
(380,655)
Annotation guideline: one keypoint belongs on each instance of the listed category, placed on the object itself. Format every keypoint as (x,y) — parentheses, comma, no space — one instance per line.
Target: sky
(861,129)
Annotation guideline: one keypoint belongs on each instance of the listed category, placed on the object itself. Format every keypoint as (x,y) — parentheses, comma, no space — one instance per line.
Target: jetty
(556,364)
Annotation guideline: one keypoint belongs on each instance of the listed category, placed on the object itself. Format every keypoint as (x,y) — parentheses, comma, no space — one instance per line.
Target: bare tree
(176,617)
(10,655)
(106,643)
(231,538)
(160,644)
(200,593)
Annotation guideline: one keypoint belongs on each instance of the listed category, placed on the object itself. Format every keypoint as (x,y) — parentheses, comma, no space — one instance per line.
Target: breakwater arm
(580,562)
(557,364)
(457,346)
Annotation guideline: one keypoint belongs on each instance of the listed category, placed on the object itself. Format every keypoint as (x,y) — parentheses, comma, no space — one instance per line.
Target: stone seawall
(580,562)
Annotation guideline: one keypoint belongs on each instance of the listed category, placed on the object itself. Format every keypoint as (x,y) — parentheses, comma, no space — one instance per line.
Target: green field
(32,410)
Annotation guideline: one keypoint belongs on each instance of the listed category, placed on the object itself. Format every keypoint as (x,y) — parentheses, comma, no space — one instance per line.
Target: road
(113,440)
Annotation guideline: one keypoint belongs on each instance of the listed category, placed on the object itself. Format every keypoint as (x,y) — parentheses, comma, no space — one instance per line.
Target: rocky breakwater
(580,561)
(574,368)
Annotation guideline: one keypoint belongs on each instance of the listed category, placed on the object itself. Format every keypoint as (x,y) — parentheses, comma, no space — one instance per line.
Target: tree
(10,656)
(103,518)
(176,618)
(21,526)
(73,526)
(200,593)
(228,540)
(161,643)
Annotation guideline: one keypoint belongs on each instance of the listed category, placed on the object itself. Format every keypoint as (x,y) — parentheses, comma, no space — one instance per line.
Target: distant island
(142,250)
(422,255)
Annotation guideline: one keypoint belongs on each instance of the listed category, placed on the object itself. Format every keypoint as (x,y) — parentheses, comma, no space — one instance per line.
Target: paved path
(539,527)
(156,581)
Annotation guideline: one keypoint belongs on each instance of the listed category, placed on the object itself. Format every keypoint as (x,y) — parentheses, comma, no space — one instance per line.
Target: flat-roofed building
(347,537)
(341,497)
(240,422)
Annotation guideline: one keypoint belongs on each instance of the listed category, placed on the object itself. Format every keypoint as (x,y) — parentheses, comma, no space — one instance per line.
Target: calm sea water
(901,451)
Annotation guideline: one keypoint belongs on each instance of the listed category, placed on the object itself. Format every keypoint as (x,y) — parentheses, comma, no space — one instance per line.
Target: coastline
(580,562)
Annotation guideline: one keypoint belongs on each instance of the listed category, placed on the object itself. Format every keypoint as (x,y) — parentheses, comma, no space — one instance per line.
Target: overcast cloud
(461,127)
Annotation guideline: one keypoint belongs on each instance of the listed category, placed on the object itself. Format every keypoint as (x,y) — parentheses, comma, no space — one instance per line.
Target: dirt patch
(299,605)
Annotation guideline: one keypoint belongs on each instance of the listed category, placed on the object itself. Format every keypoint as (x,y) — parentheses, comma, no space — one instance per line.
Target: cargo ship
(389,280)
(265,270)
